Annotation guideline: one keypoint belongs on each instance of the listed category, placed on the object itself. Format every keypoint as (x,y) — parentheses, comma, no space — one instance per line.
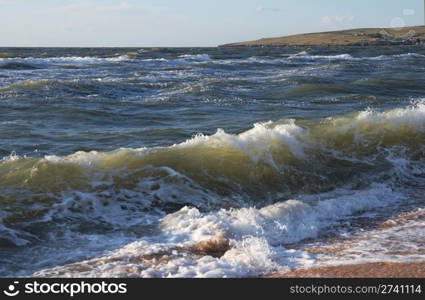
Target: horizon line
(216,46)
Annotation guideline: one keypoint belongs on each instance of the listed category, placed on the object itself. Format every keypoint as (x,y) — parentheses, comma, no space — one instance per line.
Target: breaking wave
(267,164)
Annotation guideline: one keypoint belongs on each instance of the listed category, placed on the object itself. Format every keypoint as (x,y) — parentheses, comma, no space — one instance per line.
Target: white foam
(12,157)
(155,59)
(86,159)
(400,242)
(188,59)
(345,56)
(306,57)
(302,53)
(68,59)
(264,140)
(95,158)
(413,116)
(285,222)
(255,236)
(182,60)
(196,57)
(302,56)
(257,142)
(397,56)
(324,57)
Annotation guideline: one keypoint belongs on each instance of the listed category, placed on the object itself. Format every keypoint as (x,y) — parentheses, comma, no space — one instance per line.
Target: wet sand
(366,270)
(372,270)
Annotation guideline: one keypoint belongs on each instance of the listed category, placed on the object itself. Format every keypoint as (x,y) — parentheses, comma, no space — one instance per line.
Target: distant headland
(353,37)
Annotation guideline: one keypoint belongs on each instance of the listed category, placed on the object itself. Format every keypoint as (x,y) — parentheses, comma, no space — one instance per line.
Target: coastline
(379,269)
(353,37)
(368,270)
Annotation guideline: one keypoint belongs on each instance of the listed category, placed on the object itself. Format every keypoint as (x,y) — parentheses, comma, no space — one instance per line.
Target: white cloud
(267,9)
(338,19)
(327,20)
(397,23)
(408,12)
(75,6)
(88,5)
(121,6)
(344,19)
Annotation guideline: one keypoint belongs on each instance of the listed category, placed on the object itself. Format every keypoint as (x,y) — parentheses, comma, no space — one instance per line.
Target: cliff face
(366,36)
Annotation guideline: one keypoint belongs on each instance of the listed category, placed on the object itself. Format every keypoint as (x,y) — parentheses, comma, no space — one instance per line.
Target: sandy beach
(372,270)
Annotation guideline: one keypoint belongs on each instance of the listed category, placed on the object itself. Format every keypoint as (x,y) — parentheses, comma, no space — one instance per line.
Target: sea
(210,162)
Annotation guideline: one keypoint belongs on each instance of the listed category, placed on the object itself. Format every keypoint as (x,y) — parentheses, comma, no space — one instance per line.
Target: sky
(188,23)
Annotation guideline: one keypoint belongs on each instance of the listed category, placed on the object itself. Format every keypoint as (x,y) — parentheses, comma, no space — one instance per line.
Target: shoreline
(380,269)
(367,270)
(414,35)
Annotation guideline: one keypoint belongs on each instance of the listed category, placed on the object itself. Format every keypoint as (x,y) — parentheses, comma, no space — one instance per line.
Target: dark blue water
(58,101)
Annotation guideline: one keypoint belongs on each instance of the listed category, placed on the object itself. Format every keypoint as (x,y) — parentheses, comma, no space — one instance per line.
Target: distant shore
(353,37)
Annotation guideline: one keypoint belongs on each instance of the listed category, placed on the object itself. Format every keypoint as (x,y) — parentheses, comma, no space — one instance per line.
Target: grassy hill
(364,36)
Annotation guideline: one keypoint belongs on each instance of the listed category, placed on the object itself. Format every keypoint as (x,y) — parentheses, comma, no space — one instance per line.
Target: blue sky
(161,23)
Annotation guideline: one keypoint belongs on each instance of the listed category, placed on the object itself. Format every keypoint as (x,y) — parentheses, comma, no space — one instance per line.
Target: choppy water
(119,162)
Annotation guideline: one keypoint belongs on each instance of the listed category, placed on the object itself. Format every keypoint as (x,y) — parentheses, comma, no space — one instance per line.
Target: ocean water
(209,162)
